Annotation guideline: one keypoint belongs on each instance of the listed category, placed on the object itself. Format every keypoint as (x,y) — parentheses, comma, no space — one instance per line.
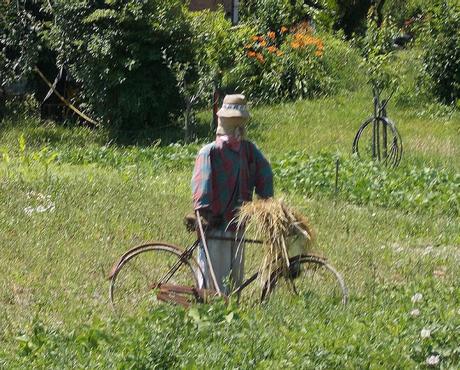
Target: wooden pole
(64,100)
(206,251)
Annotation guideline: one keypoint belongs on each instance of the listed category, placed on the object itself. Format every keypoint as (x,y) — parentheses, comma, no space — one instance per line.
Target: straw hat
(234,106)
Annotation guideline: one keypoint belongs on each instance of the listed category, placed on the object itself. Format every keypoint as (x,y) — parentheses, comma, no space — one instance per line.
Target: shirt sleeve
(264,175)
(202,181)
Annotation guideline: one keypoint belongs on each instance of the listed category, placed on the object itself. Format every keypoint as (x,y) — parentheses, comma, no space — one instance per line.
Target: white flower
(415,312)
(28,211)
(46,205)
(425,333)
(433,360)
(428,250)
(417,297)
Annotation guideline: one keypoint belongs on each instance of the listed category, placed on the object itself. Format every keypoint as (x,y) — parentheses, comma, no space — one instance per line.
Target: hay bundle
(277,225)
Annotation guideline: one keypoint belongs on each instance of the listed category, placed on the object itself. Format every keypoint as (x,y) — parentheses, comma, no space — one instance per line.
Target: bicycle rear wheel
(309,277)
(135,277)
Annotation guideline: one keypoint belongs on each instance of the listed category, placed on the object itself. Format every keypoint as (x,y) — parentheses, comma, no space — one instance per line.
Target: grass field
(99,198)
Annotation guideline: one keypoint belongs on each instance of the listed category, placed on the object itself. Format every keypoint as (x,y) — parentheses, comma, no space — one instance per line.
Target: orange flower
(251,54)
(263,43)
(295,44)
(279,53)
(310,40)
(284,29)
(272,49)
(318,53)
(272,35)
(260,58)
(255,38)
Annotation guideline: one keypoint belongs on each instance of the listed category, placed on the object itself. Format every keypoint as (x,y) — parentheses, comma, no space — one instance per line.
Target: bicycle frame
(188,253)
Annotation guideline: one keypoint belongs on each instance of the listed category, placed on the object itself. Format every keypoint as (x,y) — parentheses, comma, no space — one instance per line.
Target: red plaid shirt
(226,174)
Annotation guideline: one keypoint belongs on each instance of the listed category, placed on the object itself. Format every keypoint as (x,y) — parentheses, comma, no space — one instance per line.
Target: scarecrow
(227,172)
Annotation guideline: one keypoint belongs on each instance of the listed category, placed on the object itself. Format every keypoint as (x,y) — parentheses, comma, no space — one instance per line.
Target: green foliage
(404,12)
(114,50)
(279,66)
(22,26)
(220,336)
(216,42)
(270,15)
(378,52)
(411,188)
(440,41)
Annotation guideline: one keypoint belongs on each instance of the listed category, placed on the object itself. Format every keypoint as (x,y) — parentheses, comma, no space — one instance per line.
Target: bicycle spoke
(138,275)
(312,279)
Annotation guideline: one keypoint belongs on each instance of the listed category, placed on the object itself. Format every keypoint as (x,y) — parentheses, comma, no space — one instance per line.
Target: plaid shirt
(226,174)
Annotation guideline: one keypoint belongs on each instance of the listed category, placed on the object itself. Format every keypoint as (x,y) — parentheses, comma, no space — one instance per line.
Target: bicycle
(381,150)
(174,275)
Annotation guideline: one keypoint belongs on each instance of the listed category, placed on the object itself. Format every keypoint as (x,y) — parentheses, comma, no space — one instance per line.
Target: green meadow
(72,200)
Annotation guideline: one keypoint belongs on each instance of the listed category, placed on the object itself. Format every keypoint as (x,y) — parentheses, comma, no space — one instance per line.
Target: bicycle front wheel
(136,276)
(309,277)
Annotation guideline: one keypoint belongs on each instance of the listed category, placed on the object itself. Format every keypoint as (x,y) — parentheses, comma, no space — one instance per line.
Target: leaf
(22,143)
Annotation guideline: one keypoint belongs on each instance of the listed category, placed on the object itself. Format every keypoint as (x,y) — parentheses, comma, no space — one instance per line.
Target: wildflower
(428,250)
(415,312)
(272,35)
(260,58)
(272,49)
(295,44)
(251,54)
(263,43)
(284,29)
(425,333)
(279,53)
(433,360)
(318,53)
(255,38)
(417,297)
(309,40)
(46,205)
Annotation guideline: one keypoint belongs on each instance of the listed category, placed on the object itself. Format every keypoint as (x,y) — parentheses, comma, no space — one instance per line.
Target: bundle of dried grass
(283,231)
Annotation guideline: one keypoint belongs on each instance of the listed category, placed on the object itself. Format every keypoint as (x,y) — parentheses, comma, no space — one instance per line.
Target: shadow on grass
(163,136)
(38,133)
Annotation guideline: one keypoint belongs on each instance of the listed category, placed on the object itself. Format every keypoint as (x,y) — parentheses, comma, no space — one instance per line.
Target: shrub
(273,14)
(290,64)
(115,51)
(378,52)
(21,25)
(216,44)
(441,44)
(343,64)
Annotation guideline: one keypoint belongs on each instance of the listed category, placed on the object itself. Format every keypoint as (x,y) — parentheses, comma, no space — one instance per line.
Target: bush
(378,52)
(289,64)
(216,45)
(21,26)
(441,44)
(273,14)
(115,50)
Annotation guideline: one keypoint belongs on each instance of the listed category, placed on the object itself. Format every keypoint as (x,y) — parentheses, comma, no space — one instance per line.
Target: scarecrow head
(232,116)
